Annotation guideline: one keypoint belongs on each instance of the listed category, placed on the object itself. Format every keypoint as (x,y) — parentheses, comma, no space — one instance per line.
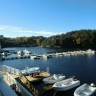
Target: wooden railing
(29,85)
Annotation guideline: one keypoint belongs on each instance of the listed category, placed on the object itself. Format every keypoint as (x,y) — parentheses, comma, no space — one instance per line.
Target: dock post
(47,69)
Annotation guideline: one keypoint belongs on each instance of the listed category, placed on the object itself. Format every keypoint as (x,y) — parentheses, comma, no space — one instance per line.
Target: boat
(66,84)
(27,52)
(28,70)
(47,56)
(90,52)
(20,53)
(85,90)
(34,57)
(53,79)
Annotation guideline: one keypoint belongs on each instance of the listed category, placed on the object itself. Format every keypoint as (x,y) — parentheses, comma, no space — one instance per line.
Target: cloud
(19,31)
(12,28)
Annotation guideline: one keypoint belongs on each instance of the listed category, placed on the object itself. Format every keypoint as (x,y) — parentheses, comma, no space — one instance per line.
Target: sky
(45,17)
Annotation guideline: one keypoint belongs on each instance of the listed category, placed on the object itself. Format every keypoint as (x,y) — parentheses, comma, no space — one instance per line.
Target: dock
(15,57)
(50,55)
(32,83)
(29,82)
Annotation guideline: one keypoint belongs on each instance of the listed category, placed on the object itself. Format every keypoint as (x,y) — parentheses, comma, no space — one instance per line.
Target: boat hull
(66,88)
(66,84)
(51,80)
(85,90)
(30,70)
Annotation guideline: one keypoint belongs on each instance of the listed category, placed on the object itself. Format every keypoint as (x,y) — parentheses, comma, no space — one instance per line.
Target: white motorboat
(34,57)
(47,56)
(53,79)
(20,53)
(90,52)
(26,52)
(28,70)
(85,90)
(66,84)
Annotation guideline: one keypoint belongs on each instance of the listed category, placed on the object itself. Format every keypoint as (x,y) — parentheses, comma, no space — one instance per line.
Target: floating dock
(50,55)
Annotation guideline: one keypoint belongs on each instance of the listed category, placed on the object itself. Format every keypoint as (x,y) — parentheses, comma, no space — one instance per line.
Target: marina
(29,84)
(48,48)
(30,81)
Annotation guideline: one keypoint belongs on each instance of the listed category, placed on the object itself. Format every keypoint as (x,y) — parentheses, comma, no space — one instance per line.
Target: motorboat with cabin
(27,52)
(20,53)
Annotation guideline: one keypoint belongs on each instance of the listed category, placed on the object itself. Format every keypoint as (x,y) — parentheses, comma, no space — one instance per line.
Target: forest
(73,39)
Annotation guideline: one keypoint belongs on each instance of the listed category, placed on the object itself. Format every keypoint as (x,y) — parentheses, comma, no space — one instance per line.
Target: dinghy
(85,90)
(66,84)
(28,70)
(53,79)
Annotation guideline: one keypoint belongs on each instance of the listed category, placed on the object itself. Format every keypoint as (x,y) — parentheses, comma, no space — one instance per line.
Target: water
(83,67)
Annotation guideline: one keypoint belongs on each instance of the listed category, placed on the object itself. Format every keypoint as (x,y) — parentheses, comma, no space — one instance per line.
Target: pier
(15,57)
(27,83)
(50,55)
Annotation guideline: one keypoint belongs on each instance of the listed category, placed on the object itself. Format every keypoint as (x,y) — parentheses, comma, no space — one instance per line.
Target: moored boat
(85,90)
(47,56)
(90,52)
(28,70)
(34,57)
(66,84)
(26,52)
(53,79)
(20,53)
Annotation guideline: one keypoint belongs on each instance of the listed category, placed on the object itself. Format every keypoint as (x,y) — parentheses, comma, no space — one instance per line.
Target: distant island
(74,39)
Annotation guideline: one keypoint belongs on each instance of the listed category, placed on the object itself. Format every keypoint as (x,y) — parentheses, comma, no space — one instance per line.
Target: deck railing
(29,85)
(10,70)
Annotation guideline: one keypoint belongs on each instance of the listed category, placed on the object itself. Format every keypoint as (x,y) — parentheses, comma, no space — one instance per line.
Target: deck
(34,85)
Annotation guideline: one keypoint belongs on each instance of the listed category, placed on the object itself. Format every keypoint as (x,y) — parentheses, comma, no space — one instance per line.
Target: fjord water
(81,66)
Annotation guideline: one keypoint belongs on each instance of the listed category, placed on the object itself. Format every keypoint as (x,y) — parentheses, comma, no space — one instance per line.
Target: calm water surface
(83,67)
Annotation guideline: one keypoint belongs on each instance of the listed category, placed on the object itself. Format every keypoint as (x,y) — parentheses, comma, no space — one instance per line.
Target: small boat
(47,56)
(53,79)
(28,70)
(26,52)
(20,53)
(34,57)
(90,52)
(66,84)
(85,90)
